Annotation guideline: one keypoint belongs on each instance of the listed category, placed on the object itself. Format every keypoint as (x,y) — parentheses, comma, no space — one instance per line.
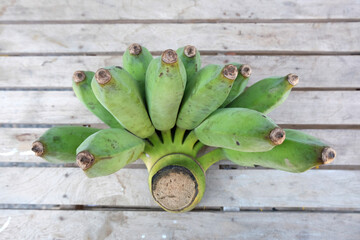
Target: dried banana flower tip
(135,49)
(79,76)
(277,136)
(293,79)
(190,51)
(230,72)
(38,148)
(103,76)
(85,160)
(245,70)
(169,56)
(328,155)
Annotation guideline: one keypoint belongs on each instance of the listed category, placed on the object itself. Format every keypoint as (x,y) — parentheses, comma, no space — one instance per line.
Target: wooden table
(43,42)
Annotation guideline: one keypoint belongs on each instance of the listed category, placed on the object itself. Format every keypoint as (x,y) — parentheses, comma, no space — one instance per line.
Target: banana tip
(230,72)
(85,160)
(277,136)
(328,155)
(102,76)
(169,56)
(135,49)
(190,51)
(79,76)
(293,79)
(245,70)
(38,148)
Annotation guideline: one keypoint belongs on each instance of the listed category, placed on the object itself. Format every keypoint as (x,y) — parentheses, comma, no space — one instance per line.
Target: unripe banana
(136,60)
(190,57)
(240,129)
(298,153)
(265,95)
(82,88)
(58,144)
(107,151)
(165,85)
(118,92)
(240,82)
(206,92)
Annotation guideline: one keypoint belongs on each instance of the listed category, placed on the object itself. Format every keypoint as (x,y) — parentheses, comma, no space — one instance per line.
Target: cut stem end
(102,76)
(230,72)
(293,79)
(169,56)
(38,148)
(85,160)
(277,136)
(190,51)
(328,155)
(79,76)
(135,49)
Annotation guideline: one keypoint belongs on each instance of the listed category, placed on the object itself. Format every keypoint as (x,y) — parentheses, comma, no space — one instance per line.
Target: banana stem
(211,157)
(191,139)
(154,139)
(166,136)
(179,136)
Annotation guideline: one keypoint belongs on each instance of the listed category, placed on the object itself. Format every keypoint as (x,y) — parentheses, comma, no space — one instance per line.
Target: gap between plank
(76,207)
(178,21)
(203,52)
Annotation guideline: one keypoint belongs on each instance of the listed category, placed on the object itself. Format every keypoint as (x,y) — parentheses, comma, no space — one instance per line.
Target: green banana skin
(165,86)
(58,144)
(107,151)
(240,129)
(118,92)
(239,84)
(298,153)
(82,88)
(206,92)
(136,60)
(267,94)
(191,59)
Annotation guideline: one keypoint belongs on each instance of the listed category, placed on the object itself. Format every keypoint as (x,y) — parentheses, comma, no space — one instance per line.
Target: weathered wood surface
(15,144)
(62,107)
(187,9)
(82,38)
(314,71)
(128,187)
(161,225)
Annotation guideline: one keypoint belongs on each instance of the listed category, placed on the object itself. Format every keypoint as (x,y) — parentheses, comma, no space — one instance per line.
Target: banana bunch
(163,110)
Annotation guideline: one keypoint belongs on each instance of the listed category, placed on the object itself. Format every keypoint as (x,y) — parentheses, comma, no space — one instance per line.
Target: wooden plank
(314,71)
(187,9)
(231,188)
(15,144)
(82,38)
(62,107)
(19,224)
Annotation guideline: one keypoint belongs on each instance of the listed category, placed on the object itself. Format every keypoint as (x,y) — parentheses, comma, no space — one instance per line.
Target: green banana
(136,60)
(206,92)
(165,85)
(58,144)
(239,84)
(190,57)
(107,151)
(118,92)
(298,153)
(240,129)
(265,95)
(82,88)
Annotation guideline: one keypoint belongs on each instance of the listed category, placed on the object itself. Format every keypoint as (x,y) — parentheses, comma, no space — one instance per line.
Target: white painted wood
(37,224)
(158,37)
(314,71)
(187,9)
(129,187)
(62,107)
(15,144)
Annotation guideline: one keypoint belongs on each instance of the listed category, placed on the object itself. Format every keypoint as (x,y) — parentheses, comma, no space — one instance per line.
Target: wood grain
(82,38)
(54,72)
(187,9)
(193,225)
(62,107)
(129,187)
(15,144)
